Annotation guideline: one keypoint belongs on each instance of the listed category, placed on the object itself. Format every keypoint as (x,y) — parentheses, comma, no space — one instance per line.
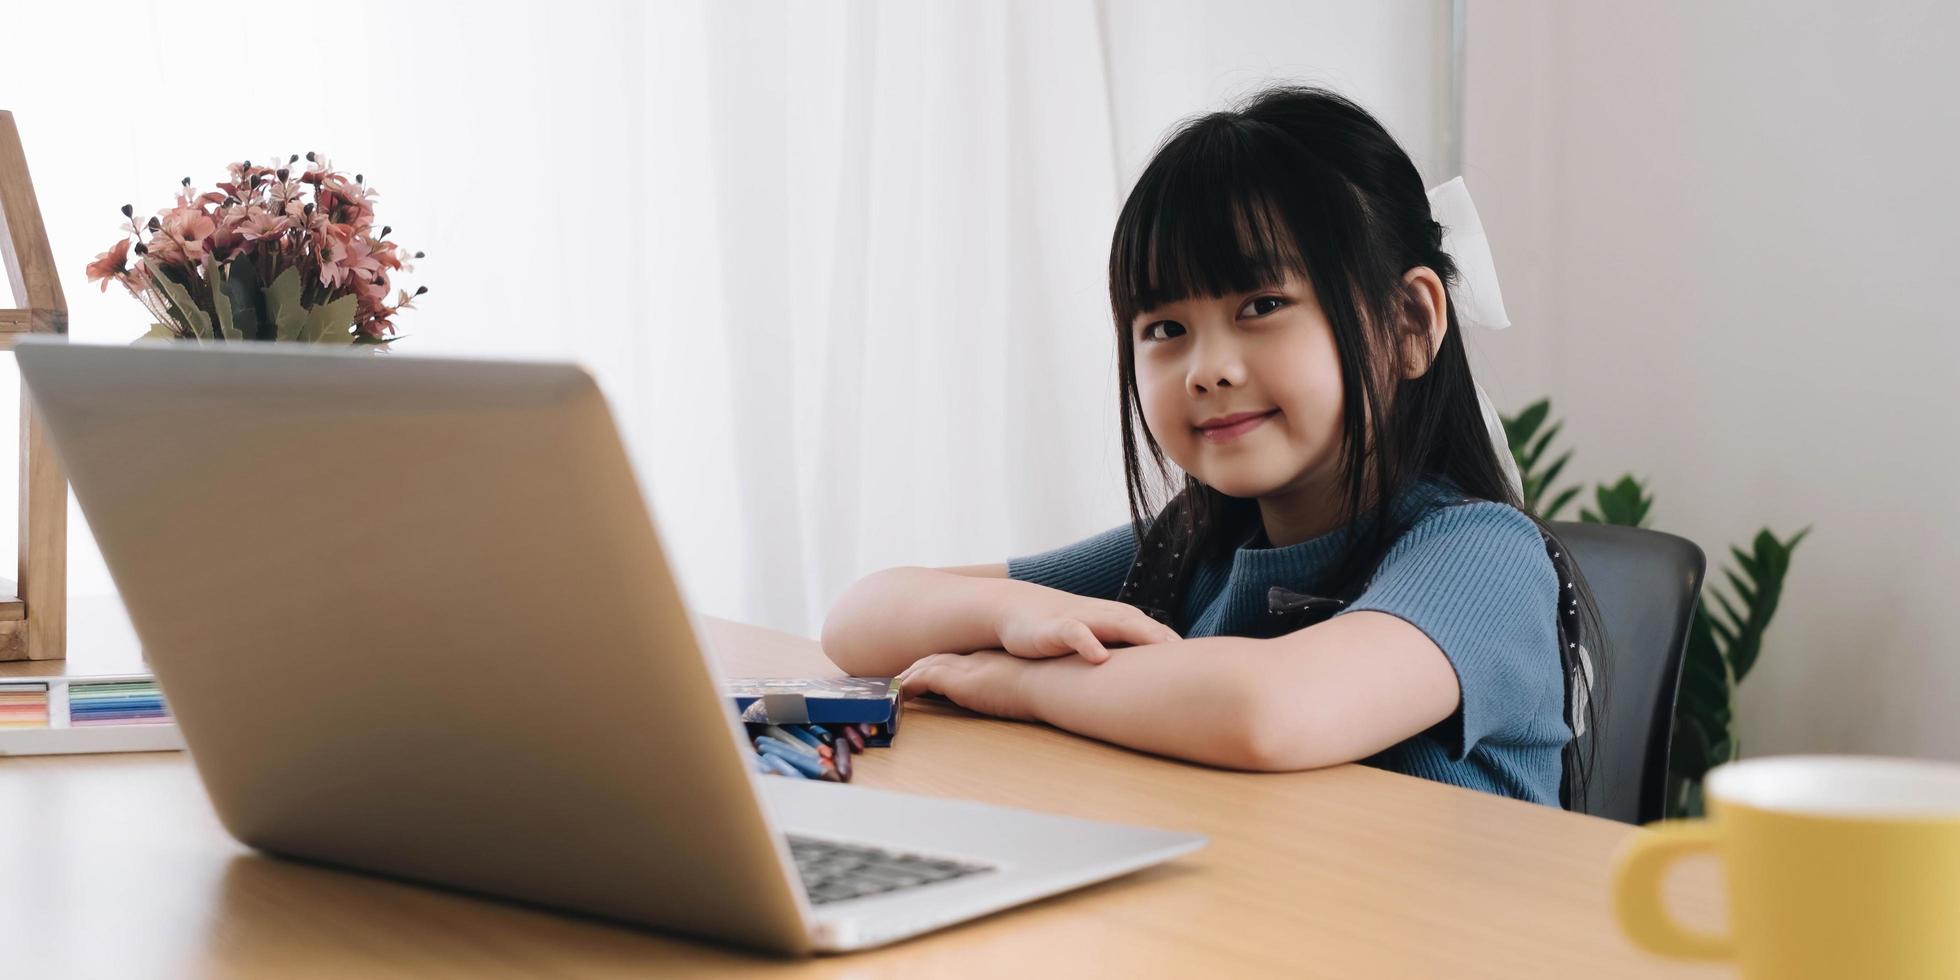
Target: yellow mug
(1835,866)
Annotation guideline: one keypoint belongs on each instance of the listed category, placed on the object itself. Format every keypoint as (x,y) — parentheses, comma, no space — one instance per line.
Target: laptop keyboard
(833,872)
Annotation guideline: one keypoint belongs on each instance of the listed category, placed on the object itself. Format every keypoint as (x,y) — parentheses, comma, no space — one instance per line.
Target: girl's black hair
(1302,179)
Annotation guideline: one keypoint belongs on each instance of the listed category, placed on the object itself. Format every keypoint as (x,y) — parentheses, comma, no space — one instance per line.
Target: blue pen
(803,733)
(776,765)
(784,733)
(797,749)
(809,768)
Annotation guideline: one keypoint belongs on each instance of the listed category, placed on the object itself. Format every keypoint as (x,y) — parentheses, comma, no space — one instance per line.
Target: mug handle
(1637,891)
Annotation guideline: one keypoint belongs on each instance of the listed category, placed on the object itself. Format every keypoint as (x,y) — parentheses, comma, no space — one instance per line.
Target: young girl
(1345,574)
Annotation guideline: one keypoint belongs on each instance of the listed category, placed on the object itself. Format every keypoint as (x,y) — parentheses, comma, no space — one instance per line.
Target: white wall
(1727,237)
(1170,59)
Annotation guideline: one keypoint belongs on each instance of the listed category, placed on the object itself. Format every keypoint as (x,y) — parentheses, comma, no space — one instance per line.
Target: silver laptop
(413,617)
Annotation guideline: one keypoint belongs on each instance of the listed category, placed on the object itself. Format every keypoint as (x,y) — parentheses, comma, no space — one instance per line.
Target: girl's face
(1269,351)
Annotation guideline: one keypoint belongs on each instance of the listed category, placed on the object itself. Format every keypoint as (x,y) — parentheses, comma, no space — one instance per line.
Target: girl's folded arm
(890,618)
(1335,692)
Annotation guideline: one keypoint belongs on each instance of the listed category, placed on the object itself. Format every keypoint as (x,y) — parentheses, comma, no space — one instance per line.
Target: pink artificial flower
(346,201)
(355,261)
(109,264)
(256,223)
(388,254)
(170,250)
(225,242)
(342,257)
(188,224)
(373,293)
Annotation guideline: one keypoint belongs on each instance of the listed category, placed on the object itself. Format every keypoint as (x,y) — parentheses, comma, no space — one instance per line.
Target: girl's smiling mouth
(1233,425)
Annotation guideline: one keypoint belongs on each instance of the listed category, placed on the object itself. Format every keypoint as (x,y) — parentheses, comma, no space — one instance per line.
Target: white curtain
(838,266)
(908,206)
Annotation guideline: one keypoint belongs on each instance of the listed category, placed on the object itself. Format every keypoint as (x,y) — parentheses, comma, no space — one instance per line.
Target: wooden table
(114,866)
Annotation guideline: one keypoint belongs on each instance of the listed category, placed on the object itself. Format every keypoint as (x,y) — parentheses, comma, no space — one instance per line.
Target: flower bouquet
(274,253)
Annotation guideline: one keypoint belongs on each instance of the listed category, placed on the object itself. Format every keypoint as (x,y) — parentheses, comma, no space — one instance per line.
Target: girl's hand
(1052,623)
(990,682)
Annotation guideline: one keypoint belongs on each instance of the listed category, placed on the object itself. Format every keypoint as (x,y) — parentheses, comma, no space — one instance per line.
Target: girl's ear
(1428,307)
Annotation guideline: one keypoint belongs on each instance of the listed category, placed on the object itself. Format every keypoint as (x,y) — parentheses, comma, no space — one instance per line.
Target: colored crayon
(774,764)
(797,749)
(811,768)
(783,732)
(853,737)
(870,730)
(823,734)
(802,734)
(843,760)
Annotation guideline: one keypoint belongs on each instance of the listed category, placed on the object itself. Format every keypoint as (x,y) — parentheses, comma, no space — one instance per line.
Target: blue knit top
(1473,576)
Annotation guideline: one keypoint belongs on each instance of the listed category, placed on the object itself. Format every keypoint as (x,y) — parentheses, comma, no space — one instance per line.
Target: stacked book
(23,706)
(124,702)
(103,698)
(810,728)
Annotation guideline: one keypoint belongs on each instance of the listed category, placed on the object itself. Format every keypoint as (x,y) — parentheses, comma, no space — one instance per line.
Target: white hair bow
(1475,294)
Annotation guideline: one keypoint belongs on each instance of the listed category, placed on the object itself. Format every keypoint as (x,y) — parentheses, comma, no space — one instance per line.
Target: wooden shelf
(34,612)
(100,643)
(13,323)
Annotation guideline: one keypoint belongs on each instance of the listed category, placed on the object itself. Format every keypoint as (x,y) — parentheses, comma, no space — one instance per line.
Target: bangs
(1201,222)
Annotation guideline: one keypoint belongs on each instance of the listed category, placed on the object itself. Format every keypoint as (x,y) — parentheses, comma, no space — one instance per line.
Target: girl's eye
(1279,302)
(1160,323)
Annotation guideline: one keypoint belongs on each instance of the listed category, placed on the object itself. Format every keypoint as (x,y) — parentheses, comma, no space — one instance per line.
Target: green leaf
(331,323)
(1735,622)
(1551,472)
(1559,502)
(1519,428)
(1747,561)
(1705,676)
(1742,589)
(1702,708)
(221,304)
(1684,798)
(195,320)
(241,290)
(159,331)
(1537,450)
(1705,693)
(282,305)
(1693,803)
(1624,503)
(1772,560)
(1529,447)
(1723,632)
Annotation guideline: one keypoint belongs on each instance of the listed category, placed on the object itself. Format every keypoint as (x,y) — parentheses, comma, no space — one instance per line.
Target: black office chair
(1646,583)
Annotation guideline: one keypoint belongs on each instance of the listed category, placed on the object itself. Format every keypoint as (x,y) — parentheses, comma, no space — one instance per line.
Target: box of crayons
(863,701)
(809,751)
(810,728)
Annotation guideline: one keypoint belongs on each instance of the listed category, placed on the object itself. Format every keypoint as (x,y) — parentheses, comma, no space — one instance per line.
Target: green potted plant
(1725,638)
